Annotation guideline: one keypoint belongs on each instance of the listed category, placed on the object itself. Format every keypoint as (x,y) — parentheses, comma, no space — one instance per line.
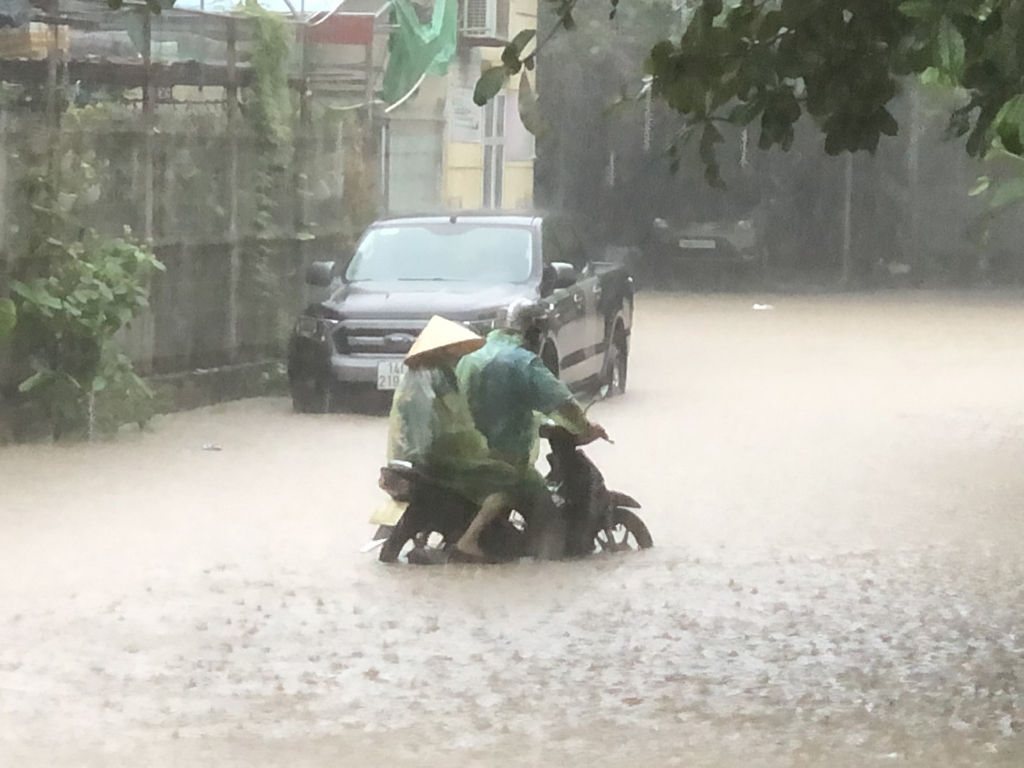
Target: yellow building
(440,150)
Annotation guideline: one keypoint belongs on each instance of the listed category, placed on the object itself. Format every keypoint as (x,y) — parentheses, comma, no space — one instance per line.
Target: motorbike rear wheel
(627,533)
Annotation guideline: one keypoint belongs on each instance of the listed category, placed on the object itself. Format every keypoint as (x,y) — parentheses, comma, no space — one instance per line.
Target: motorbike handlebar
(557,433)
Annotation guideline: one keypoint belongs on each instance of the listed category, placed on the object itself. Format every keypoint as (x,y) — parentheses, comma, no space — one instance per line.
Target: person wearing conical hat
(440,341)
(430,423)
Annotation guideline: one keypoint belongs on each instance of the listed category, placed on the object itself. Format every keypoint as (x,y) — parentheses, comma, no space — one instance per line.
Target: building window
(412,165)
(494,151)
(484,18)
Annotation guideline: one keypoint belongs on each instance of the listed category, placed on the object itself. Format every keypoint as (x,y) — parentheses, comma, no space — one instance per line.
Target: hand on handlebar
(596,432)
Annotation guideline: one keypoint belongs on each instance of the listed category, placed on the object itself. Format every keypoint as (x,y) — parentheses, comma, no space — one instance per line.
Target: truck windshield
(458,252)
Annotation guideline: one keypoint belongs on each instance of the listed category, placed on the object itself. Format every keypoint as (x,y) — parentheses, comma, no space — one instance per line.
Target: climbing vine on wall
(268,112)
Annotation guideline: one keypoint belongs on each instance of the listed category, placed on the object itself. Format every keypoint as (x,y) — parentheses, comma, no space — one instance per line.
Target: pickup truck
(466,267)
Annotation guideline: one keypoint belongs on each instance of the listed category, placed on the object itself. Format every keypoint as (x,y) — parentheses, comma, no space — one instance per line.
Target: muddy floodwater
(836,493)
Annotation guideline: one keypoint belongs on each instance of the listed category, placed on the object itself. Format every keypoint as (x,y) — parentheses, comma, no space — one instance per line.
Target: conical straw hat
(441,334)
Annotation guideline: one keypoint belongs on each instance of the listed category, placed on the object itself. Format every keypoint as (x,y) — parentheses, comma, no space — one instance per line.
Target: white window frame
(469,24)
(493,152)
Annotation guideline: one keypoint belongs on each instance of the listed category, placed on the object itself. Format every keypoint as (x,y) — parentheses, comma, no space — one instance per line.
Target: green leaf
(835,142)
(510,58)
(99,384)
(770,25)
(1009,124)
(919,9)
(684,94)
(489,84)
(886,122)
(8,317)
(34,380)
(744,114)
(1008,193)
(796,11)
(520,41)
(983,183)
(35,293)
(660,58)
(712,7)
(951,48)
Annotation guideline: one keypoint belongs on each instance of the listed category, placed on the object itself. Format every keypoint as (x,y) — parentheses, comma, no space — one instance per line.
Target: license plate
(389,373)
(687,243)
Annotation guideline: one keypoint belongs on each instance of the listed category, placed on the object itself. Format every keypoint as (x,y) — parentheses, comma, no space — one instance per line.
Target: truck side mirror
(320,274)
(563,275)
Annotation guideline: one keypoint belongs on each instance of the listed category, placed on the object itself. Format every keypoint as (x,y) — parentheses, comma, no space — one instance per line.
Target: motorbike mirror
(320,273)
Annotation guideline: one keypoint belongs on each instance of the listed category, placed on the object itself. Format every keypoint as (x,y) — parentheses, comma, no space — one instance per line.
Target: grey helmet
(524,316)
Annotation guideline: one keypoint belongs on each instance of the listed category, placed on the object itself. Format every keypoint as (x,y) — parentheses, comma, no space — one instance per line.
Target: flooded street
(835,491)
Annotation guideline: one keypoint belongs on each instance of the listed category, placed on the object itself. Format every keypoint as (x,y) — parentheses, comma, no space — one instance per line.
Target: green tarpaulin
(417,49)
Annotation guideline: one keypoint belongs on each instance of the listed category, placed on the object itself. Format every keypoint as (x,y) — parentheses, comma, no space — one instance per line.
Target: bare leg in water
(494,505)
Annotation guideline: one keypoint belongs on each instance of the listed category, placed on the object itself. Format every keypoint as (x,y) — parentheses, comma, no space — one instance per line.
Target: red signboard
(341,29)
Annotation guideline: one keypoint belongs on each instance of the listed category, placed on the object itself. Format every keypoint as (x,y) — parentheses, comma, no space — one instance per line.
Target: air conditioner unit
(479,18)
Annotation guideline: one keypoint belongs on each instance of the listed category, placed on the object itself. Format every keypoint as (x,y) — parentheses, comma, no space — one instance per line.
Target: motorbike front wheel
(627,533)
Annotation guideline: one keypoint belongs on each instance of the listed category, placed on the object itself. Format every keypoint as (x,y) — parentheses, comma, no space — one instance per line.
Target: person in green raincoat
(506,385)
(430,424)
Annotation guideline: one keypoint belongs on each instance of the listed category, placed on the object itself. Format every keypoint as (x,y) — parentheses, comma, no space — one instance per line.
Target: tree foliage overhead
(766,63)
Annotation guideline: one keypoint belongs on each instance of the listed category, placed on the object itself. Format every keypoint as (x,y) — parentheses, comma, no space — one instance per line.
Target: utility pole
(234,246)
(913,179)
(847,275)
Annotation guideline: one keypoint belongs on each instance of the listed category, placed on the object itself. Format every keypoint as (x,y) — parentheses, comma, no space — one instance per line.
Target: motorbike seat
(409,472)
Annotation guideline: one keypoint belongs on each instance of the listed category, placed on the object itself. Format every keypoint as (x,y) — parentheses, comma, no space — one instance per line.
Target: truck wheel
(616,364)
(310,394)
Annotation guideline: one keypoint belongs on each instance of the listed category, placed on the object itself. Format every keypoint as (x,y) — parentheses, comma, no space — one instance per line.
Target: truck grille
(380,339)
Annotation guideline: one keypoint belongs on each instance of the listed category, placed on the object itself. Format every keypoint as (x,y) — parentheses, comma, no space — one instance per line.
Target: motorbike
(584,516)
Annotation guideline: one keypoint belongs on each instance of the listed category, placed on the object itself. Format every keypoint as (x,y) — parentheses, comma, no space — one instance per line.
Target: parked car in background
(694,253)
(466,267)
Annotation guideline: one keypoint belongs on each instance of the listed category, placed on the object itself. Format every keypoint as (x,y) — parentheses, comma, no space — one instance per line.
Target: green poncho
(431,426)
(507,386)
